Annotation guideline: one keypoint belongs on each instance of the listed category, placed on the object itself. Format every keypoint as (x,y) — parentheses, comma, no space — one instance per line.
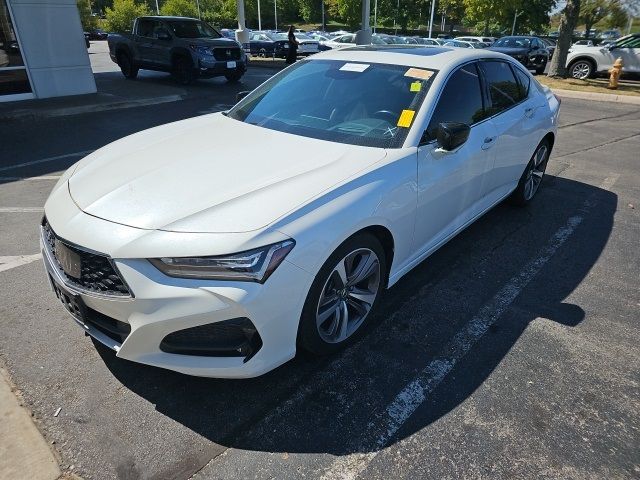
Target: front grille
(97,273)
(236,337)
(226,53)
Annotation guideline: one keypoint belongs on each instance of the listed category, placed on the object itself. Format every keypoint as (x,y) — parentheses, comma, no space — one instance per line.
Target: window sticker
(354,67)
(406,117)
(415,86)
(419,73)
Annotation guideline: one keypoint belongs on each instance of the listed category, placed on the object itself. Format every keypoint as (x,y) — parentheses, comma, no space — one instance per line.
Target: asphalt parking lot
(510,353)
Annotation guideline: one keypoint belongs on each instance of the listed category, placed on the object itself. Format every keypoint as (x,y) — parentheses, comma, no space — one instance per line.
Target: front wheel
(581,69)
(532,177)
(183,71)
(342,296)
(127,67)
(540,69)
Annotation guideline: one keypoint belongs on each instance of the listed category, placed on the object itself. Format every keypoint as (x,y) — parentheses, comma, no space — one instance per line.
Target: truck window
(192,29)
(145,27)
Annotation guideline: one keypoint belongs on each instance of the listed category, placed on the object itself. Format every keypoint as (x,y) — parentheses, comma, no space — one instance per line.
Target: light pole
(375,16)
(515,17)
(259,19)
(395,17)
(275,12)
(324,27)
(433,8)
(198,4)
(157,8)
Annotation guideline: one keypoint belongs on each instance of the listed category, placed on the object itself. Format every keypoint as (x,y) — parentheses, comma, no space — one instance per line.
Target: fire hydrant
(614,74)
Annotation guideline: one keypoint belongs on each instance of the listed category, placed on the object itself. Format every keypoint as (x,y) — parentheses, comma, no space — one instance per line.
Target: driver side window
(460,101)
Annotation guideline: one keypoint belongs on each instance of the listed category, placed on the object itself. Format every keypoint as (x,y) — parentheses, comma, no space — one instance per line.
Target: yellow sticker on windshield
(406,117)
(415,86)
(419,73)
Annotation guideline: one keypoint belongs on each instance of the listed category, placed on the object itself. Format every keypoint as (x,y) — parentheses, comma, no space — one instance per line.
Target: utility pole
(375,16)
(259,19)
(395,18)
(242,35)
(363,36)
(433,9)
(275,12)
(324,27)
(198,4)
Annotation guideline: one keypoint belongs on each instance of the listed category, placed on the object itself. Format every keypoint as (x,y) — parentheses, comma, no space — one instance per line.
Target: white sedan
(220,245)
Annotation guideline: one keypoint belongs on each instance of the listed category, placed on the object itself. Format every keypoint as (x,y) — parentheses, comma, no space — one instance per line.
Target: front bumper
(209,67)
(161,305)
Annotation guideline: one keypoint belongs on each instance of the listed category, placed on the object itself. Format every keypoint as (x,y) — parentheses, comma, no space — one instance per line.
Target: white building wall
(53,47)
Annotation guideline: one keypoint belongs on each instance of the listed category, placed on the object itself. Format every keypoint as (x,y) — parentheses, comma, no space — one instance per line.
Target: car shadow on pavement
(326,405)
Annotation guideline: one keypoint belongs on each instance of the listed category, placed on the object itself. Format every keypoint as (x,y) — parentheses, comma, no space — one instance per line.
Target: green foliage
(617,17)
(592,11)
(349,11)
(179,8)
(89,22)
(120,18)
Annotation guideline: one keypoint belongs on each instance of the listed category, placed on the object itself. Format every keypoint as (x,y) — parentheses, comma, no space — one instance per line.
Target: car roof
(435,58)
(167,17)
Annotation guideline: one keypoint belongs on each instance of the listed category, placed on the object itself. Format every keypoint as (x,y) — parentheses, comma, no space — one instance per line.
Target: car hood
(213,42)
(510,50)
(211,174)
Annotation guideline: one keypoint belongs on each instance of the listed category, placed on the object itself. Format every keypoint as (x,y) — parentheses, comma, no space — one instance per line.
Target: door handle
(488,143)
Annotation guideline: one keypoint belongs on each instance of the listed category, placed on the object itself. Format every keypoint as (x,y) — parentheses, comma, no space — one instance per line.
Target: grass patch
(596,85)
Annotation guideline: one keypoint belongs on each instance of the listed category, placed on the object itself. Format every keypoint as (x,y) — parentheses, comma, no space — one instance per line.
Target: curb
(598,97)
(34,114)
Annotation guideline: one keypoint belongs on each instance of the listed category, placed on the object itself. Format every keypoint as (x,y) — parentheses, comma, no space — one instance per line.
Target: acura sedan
(220,245)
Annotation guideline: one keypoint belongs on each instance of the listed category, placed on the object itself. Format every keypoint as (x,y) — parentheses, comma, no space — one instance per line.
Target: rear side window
(460,101)
(145,28)
(524,82)
(504,91)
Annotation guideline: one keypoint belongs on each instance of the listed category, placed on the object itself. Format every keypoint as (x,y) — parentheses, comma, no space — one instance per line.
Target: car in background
(554,34)
(458,44)
(268,44)
(228,33)
(530,51)
(610,34)
(338,33)
(427,41)
(583,43)
(585,61)
(306,45)
(487,40)
(349,40)
(97,34)
(321,39)
(551,46)
(86,39)
(188,48)
(360,165)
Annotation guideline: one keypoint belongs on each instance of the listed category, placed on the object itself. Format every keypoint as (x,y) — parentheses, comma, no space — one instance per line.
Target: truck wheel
(182,71)
(127,67)
(234,77)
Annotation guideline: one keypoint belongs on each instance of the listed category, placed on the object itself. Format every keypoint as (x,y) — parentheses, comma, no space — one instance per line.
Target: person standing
(292,54)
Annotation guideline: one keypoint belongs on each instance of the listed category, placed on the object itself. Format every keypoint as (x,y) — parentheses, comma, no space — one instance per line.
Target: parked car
(97,34)
(457,44)
(530,51)
(551,46)
(306,44)
(610,34)
(487,40)
(587,61)
(583,43)
(228,33)
(321,39)
(427,41)
(267,44)
(86,39)
(359,166)
(187,47)
(349,40)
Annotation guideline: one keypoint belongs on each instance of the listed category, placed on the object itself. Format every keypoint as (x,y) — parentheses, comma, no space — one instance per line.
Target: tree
(568,21)
(179,8)
(120,18)
(617,17)
(454,11)
(89,22)
(591,12)
(349,11)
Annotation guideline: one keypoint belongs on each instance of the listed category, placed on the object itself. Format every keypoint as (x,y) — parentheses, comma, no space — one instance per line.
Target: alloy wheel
(535,172)
(581,70)
(348,295)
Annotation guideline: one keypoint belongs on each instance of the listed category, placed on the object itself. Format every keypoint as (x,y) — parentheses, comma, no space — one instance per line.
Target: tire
(127,67)
(540,70)
(581,69)
(182,70)
(532,176)
(324,329)
(262,53)
(234,77)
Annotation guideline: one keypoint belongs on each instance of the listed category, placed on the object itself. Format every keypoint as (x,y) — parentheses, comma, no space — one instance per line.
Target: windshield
(355,103)
(276,36)
(192,29)
(512,42)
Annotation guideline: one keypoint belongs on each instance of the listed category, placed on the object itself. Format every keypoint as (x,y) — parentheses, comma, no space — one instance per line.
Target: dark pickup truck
(186,47)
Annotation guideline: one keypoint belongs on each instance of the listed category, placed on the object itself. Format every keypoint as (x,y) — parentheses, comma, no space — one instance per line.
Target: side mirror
(241,95)
(163,35)
(450,135)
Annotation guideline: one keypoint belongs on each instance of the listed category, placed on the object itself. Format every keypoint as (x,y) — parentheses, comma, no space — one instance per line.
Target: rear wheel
(532,177)
(342,296)
(183,71)
(581,69)
(127,67)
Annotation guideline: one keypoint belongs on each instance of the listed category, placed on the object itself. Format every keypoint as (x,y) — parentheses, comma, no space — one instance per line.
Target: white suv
(584,61)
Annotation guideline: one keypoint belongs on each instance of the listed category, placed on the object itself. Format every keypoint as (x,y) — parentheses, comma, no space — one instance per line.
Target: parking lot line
(19,179)
(13,261)
(45,160)
(386,424)
(21,209)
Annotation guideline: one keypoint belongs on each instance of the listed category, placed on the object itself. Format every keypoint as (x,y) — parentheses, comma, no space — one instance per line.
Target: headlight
(250,266)
(200,50)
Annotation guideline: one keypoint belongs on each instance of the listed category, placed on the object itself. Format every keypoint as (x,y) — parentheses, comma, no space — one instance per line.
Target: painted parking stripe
(19,179)
(21,209)
(45,160)
(386,424)
(9,262)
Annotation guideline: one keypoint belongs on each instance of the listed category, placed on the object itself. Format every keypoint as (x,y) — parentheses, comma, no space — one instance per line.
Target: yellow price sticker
(406,117)
(415,86)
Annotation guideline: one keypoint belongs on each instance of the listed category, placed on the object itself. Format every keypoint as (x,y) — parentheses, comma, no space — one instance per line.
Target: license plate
(231,64)
(69,260)
(72,303)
